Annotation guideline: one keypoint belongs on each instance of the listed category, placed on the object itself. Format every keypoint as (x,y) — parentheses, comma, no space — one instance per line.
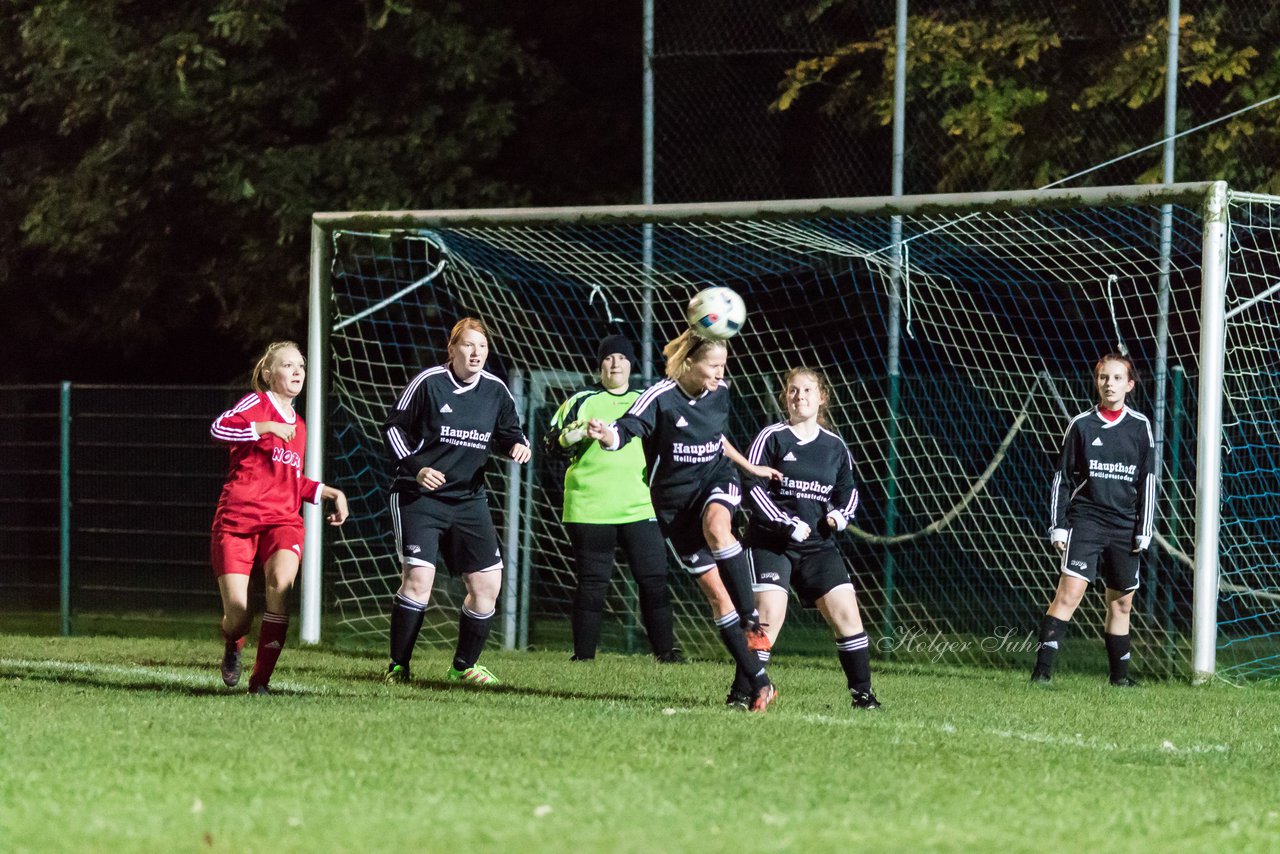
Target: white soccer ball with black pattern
(716,313)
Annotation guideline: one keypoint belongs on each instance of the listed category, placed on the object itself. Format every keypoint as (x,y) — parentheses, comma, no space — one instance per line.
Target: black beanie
(615,344)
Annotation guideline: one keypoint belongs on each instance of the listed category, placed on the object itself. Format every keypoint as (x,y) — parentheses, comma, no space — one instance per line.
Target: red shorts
(236,554)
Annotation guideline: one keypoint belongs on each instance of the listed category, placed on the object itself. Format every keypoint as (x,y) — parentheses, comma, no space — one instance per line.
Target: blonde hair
(468,324)
(824,391)
(682,351)
(267,362)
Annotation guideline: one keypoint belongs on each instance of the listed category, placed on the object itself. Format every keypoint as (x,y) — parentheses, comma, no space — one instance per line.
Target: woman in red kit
(257,521)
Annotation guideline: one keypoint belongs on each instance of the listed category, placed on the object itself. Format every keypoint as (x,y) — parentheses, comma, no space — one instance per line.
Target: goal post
(996,305)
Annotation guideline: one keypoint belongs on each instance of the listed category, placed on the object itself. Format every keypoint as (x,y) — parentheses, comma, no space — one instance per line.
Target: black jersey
(451,426)
(1106,474)
(817,477)
(683,436)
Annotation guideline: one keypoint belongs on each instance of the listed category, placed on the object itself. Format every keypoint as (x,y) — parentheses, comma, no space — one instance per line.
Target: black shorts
(463,531)
(811,569)
(1093,548)
(680,515)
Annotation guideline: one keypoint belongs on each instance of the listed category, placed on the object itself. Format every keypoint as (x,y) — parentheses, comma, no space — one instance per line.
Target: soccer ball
(716,313)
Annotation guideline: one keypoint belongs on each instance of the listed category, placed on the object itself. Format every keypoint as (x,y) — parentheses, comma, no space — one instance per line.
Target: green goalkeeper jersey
(600,487)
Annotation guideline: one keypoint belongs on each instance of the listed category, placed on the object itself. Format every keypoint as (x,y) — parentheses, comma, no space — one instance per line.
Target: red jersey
(265,486)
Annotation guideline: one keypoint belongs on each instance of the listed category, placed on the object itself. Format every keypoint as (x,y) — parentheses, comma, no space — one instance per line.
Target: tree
(1008,100)
(159,162)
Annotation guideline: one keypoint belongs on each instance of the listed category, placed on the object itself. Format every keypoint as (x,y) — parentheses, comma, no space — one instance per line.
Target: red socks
(270,644)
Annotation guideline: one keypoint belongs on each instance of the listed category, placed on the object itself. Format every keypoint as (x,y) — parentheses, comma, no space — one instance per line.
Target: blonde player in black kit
(440,432)
(796,520)
(694,486)
(1102,509)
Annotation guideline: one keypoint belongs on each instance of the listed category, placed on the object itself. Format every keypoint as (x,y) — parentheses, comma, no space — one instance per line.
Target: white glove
(576,432)
(1058,535)
(836,520)
(1140,544)
(800,531)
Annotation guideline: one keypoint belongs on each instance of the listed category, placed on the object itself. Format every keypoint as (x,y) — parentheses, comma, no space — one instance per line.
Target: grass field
(127,744)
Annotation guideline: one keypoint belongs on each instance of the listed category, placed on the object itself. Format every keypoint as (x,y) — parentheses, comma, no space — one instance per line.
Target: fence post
(64,504)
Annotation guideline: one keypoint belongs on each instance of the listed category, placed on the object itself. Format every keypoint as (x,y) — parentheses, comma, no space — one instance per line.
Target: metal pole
(1178,378)
(1166,248)
(646,321)
(899,98)
(537,393)
(64,515)
(893,359)
(313,514)
(511,560)
(1209,441)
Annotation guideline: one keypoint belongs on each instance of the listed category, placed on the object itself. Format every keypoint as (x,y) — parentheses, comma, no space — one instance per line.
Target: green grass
(118,744)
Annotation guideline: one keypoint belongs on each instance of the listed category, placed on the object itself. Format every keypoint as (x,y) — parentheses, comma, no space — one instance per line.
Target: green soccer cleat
(476,674)
(397,674)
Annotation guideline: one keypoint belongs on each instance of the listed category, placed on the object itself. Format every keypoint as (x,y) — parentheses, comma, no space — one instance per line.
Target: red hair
(819,380)
(1122,359)
(471,324)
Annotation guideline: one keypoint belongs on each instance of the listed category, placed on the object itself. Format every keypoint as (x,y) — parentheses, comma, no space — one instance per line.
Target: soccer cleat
(231,666)
(738,701)
(1041,676)
(476,674)
(757,639)
(259,690)
(671,656)
(864,700)
(1125,682)
(397,674)
(764,697)
(576,657)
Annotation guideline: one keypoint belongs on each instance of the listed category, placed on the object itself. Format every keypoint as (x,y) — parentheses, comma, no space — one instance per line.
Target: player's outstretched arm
(605,434)
(736,457)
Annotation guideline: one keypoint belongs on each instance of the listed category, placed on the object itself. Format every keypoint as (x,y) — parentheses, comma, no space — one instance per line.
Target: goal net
(954,414)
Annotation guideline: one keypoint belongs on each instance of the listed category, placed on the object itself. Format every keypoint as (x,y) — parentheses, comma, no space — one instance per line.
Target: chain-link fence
(140,476)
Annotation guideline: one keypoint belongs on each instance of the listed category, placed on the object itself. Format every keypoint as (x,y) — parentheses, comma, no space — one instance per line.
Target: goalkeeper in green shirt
(606,504)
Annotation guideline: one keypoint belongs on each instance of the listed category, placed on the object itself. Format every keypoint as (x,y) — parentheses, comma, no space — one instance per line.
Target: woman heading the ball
(681,423)
(1102,513)
(795,523)
(440,433)
(256,522)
